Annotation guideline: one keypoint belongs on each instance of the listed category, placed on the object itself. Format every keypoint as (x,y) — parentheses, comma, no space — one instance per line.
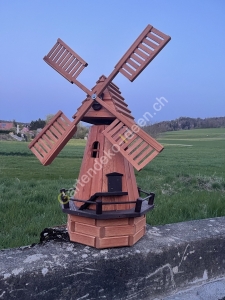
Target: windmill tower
(106,210)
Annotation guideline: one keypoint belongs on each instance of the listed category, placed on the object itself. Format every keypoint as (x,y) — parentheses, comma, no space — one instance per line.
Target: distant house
(6,125)
(24,130)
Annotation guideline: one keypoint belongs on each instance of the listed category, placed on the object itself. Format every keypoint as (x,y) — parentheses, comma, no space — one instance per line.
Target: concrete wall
(167,259)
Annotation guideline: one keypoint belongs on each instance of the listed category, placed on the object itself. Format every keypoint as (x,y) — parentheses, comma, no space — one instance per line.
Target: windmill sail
(47,145)
(150,42)
(133,143)
(55,135)
(65,61)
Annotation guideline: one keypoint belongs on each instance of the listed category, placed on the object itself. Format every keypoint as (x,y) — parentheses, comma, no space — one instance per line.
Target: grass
(188,178)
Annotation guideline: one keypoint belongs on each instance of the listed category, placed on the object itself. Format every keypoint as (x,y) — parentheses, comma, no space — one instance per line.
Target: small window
(95,150)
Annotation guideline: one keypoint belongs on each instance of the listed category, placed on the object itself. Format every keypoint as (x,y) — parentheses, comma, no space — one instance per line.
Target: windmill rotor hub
(93,97)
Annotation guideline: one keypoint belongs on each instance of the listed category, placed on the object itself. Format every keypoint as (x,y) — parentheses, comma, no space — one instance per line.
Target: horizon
(89,124)
(188,74)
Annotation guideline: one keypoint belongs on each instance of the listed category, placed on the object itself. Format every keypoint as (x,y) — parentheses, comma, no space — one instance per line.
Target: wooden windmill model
(106,210)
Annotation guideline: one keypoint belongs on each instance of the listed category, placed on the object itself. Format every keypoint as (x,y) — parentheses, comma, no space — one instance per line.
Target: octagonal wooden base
(106,233)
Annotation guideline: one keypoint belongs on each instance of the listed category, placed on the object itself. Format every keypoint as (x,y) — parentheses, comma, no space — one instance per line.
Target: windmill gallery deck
(106,210)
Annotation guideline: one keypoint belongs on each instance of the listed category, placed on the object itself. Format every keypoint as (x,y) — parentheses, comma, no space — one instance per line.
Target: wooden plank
(56,133)
(44,145)
(88,229)
(68,62)
(143,155)
(137,59)
(112,84)
(122,151)
(150,44)
(119,134)
(120,104)
(115,89)
(68,134)
(135,144)
(125,73)
(40,150)
(96,183)
(154,38)
(110,242)
(78,71)
(129,184)
(53,49)
(82,238)
(114,97)
(108,168)
(133,181)
(135,44)
(128,69)
(65,60)
(147,160)
(60,52)
(124,112)
(82,219)
(138,150)
(142,54)
(62,123)
(65,119)
(161,34)
(112,125)
(73,72)
(115,92)
(130,138)
(73,52)
(146,49)
(119,166)
(116,128)
(112,222)
(59,113)
(47,141)
(134,238)
(119,230)
(61,59)
(130,125)
(60,144)
(72,65)
(132,63)
(51,136)
(59,128)
(36,153)
(84,192)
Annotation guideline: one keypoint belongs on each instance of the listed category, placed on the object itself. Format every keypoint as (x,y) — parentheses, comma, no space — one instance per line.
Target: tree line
(184,123)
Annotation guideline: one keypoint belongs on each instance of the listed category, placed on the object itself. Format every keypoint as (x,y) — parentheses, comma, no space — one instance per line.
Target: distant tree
(34,125)
(14,123)
(81,132)
(48,118)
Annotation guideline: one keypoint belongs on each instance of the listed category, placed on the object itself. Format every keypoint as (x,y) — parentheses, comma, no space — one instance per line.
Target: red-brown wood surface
(137,148)
(65,61)
(57,135)
(150,42)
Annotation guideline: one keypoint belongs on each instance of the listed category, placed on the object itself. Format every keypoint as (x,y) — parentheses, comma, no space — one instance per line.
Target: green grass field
(188,178)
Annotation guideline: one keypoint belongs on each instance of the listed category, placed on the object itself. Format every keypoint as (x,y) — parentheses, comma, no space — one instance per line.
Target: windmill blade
(65,61)
(150,42)
(133,143)
(69,64)
(55,135)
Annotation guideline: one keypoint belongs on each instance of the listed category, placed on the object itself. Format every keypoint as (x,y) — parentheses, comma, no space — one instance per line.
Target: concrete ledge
(168,258)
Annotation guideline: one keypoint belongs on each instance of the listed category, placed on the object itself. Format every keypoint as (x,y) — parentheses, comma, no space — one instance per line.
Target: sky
(188,75)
